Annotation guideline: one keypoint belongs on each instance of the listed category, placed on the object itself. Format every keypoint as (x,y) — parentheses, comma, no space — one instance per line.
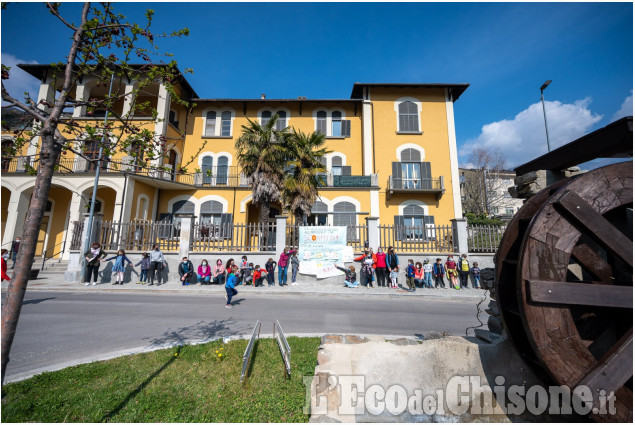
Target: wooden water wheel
(564,284)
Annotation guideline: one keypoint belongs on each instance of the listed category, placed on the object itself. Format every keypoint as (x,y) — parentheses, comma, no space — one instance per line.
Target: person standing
(427,273)
(283,265)
(270,267)
(186,271)
(439,272)
(392,260)
(230,286)
(120,266)
(93,257)
(3,268)
(145,266)
(450,268)
(156,264)
(410,275)
(15,246)
(464,270)
(381,270)
(366,271)
(295,265)
(476,273)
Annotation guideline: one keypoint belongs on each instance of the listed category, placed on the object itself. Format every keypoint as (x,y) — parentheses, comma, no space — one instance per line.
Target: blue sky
(504,50)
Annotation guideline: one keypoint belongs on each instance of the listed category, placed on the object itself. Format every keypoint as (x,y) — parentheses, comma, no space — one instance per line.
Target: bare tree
(100,31)
(483,183)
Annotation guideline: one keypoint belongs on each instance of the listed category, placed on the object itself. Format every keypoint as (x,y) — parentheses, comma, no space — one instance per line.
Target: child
(145,266)
(5,256)
(119,266)
(248,272)
(427,273)
(394,273)
(464,270)
(259,275)
(270,266)
(350,281)
(439,272)
(476,272)
(228,267)
(451,270)
(295,265)
(230,286)
(418,275)
(244,265)
(410,275)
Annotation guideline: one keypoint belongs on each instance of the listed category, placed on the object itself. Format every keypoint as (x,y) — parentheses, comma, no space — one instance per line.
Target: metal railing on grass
(285,350)
(250,349)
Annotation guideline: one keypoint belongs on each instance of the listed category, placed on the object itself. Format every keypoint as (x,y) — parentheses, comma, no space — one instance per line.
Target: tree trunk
(264,223)
(24,261)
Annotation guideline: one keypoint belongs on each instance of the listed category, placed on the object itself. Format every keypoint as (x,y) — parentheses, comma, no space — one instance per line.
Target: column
(161,125)
(185,237)
(367,137)
(16,213)
(372,227)
(454,158)
(47,92)
(75,211)
(281,234)
(459,235)
(82,92)
(129,99)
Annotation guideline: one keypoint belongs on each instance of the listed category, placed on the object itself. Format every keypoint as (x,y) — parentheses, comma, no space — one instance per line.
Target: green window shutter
(346,170)
(396,175)
(226,225)
(399,228)
(346,128)
(426,175)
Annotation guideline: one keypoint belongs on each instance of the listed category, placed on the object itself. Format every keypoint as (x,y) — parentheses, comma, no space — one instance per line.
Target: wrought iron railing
(484,238)
(428,238)
(399,183)
(209,237)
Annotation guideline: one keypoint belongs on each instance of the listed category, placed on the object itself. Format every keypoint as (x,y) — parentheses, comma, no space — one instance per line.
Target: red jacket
(258,274)
(4,270)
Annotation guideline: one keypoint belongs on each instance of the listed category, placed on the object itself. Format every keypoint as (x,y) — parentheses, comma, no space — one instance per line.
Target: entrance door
(41,236)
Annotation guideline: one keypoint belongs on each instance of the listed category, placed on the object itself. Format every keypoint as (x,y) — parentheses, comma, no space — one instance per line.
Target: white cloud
(523,138)
(625,110)
(19,81)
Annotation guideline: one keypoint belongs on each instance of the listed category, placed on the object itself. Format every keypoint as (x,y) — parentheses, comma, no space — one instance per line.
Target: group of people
(152,265)
(382,269)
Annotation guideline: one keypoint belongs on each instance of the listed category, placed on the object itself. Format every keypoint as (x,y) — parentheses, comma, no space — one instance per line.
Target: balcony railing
(331,180)
(415,185)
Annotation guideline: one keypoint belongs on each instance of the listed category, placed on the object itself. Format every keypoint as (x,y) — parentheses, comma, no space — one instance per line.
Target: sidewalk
(304,287)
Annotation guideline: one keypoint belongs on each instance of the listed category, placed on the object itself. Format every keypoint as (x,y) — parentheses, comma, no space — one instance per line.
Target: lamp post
(89,231)
(544,113)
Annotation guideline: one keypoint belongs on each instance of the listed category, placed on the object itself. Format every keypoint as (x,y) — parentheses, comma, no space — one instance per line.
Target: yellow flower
(176,354)
(216,351)
(220,355)
(221,348)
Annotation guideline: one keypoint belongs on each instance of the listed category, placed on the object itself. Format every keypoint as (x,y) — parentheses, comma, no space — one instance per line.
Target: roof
(277,100)
(39,72)
(613,141)
(14,118)
(456,90)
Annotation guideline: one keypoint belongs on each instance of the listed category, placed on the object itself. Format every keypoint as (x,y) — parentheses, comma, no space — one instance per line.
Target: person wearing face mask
(5,256)
(218,274)
(380,270)
(366,271)
(204,273)
(156,264)
(186,271)
(93,256)
(15,246)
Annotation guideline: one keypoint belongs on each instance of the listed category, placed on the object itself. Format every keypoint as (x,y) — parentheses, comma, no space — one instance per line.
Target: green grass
(191,386)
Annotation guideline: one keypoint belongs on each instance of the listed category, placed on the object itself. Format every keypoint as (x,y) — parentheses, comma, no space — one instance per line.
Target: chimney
(301,97)
(262,96)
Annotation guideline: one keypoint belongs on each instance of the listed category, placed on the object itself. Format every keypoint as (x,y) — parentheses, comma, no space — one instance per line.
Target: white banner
(322,246)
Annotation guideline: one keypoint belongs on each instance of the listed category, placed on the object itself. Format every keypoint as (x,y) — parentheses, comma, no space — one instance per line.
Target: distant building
(485,191)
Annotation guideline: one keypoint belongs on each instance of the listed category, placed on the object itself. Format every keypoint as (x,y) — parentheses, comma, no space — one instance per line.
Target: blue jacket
(231,281)
(123,259)
(410,271)
(438,269)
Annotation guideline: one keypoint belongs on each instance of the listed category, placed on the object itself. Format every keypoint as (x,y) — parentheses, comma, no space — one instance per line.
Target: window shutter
(346,128)
(399,228)
(210,124)
(164,231)
(207,165)
(321,122)
(430,231)
(221,170)
(426,175)
(396,175)
(346,170)
(226,225)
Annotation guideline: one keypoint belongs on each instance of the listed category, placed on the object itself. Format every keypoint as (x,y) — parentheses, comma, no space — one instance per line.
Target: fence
(233,237)
(484,238)
(132,236)
(427,238)
(356,236)
(76,236)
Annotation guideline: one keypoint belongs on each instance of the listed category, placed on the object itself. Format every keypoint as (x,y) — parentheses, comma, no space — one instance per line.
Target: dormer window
(210,124)
(408,117)
(332,123)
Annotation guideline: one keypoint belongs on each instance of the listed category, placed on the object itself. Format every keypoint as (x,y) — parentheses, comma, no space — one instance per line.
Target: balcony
(164,177)
(332,180)
(415,186)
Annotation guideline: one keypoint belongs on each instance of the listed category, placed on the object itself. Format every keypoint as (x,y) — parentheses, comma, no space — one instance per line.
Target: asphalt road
(57,329)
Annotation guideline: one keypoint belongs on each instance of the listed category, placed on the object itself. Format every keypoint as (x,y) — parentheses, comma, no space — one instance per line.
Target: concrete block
(332,339)
(495,324)
(354,339)
(403,341)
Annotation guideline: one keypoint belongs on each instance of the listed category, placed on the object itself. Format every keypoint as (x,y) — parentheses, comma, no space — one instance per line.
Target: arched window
(282,121)
(265,118)
(183,207)
(413,220)
(222,170)
(97,206)
(344,214)
(318,215)
(408,117)
(210,124)
(211,212)
(336,124)
(321,122)
(207,165)
(226,123)
(411,169)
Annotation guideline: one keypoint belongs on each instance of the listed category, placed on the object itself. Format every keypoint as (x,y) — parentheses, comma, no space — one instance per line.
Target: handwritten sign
(320,247)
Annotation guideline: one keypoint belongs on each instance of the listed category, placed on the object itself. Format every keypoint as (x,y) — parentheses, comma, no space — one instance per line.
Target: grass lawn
(184,384)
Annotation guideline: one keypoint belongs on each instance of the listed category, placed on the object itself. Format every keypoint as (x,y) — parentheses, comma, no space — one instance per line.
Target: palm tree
(305,173)
(261,154)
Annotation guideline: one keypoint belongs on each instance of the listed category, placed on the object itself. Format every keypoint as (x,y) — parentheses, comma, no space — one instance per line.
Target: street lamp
(544,113)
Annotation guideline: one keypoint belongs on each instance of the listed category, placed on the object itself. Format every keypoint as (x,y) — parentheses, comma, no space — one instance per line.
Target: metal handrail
(45,258)
(249,350)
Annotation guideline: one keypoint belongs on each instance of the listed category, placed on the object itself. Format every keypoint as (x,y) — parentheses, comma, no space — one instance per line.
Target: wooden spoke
(580,294)
(613,369)
(598,226)
(591,261)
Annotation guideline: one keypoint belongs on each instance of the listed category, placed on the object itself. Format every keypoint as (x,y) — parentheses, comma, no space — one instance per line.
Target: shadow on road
(140,388)
(201,331)
(37,301)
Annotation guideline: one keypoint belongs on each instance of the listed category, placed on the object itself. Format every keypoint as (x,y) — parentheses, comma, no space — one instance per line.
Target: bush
(482,219)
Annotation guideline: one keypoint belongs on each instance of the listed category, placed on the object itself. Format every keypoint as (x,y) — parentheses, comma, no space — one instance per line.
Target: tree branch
(54,11)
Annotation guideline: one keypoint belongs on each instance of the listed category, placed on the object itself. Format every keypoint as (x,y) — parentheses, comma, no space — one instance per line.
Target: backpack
(465,265)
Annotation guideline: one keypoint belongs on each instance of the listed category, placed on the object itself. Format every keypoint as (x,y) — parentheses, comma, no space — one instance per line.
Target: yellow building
(393,146)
